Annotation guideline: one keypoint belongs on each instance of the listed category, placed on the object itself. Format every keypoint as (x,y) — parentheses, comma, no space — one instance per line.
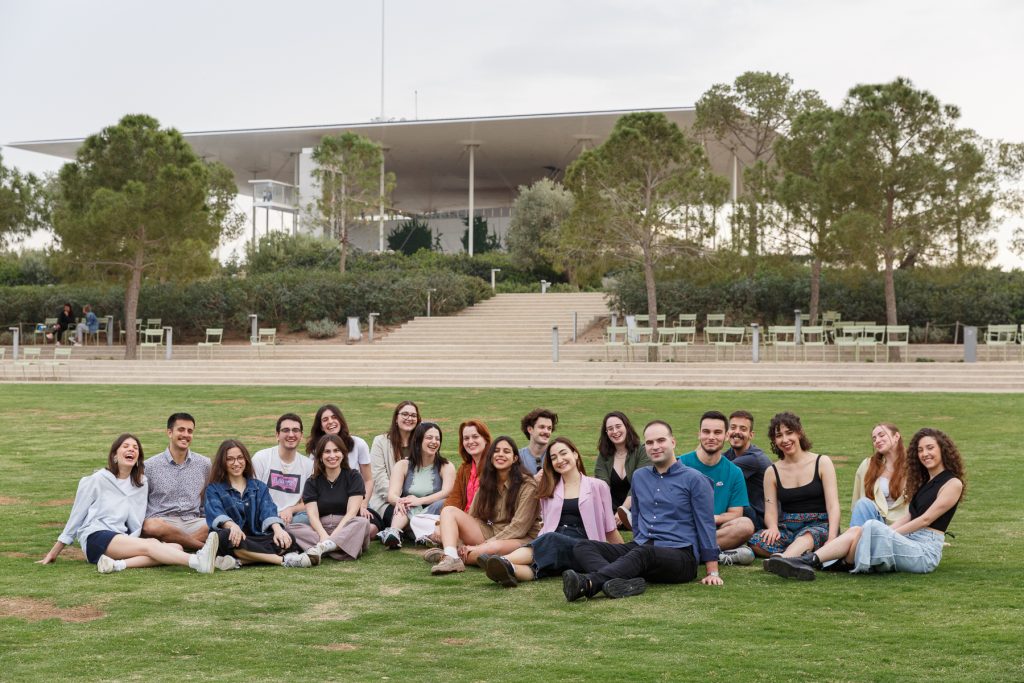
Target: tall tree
(813,210)
(632,192)
(887,161)
(24,203)
(537,215)
(348,171)
(746,117)
(137,201)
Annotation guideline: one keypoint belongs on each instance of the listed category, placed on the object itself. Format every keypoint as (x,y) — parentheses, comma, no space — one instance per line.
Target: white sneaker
(299,560)
(742,556)
(206,557)
(105,565)
(327,546)
(226,563)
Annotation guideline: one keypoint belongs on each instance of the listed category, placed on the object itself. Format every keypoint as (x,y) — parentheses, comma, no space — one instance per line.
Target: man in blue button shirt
(674,529)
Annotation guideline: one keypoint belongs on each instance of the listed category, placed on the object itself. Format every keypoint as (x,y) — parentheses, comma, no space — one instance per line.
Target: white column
(380,210)
(472,187)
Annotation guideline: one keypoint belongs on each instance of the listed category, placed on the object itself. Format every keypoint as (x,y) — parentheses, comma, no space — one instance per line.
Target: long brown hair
(316,431)
(877,464)
(319,469)
(483,431)
(550,478)
(395,432)
(138,469)
(486,500)
(605,447)
(219,470)
(917,475)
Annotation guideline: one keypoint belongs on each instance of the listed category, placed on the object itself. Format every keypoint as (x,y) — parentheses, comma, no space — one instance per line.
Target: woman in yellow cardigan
(880,482)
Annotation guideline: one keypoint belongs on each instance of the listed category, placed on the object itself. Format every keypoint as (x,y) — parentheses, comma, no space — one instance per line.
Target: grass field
(385,618)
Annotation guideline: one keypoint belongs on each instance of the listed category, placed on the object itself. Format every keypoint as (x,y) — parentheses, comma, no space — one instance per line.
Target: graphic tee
(285,480)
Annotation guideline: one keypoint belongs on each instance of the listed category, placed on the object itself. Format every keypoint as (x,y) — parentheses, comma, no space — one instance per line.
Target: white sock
(328,546)
(120,565)
(451,551)
(193,561)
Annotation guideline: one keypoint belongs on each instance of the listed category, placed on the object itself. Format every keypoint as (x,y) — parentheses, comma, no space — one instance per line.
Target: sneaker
(207,555)
(390,538)
(299,560)
(575,585)
(738,556)
(105,565)
(624,588)
(622,515)
(226,563)
(789,568)
(427,542)
(500,571)
(434,555)
(481,559)
(322,548)
(448,565)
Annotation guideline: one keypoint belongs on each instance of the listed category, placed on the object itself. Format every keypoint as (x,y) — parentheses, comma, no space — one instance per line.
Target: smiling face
(788,441)
(472,442)
(180,435)
(660,445)
(289,434)
(563,458)
(504,457)
(332,456)
(930,455)
(431,442)
(234,461)
(540,432)
(127,454)
(884,440)
(616,430)
(407,418)
(741,433)
(330,423)
(712,435)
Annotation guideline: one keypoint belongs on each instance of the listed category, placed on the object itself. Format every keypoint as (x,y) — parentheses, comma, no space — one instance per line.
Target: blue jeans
(863,510)
(881,549)
(300,518)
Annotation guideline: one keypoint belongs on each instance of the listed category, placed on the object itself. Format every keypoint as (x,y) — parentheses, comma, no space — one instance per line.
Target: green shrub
(325,328)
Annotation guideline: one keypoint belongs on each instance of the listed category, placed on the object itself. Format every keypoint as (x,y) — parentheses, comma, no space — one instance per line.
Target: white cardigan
(101,505)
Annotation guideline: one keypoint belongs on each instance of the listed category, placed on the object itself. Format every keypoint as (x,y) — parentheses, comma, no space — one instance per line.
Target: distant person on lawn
(177,478)
(107,515)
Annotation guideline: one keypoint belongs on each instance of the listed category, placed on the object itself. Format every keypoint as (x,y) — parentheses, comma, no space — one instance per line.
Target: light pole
(493,271)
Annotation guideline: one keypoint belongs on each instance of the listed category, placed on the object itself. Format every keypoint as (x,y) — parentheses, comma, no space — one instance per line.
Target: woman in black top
(935,486)
(619,455)
(333,498)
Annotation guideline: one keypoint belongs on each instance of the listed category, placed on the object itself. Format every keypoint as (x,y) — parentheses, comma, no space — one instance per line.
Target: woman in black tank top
(935,485)
(801,511)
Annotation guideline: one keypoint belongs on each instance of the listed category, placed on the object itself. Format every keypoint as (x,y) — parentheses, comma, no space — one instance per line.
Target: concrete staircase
(506,342)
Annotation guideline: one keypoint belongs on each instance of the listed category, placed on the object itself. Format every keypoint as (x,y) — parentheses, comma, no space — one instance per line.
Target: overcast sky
(72,67)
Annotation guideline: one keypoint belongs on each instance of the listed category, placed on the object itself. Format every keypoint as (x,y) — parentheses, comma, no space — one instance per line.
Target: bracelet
(714,573)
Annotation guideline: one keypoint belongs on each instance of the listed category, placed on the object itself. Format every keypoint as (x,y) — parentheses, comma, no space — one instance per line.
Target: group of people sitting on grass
(522,513)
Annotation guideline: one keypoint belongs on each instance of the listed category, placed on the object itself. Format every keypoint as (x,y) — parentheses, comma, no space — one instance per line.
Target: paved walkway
(507,342)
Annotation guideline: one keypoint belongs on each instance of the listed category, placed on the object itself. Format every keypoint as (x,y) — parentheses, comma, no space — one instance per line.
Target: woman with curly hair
(801,500)
(879,483)
(502,516)
(619,455)
(329,420)
(935,486)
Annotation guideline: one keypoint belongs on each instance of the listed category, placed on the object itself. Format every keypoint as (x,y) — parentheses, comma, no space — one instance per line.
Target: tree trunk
(815,288)
(890,298)
(343,230)
(131,307)
(652,303)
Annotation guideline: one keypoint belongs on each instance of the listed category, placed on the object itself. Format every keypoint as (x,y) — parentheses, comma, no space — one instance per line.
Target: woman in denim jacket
(240,510)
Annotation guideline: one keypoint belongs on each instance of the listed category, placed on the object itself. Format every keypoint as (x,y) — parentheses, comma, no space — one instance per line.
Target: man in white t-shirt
(284,470)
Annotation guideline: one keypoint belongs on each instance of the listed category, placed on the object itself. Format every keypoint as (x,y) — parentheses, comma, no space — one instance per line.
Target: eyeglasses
(290,430)
(408,416)
(235,458)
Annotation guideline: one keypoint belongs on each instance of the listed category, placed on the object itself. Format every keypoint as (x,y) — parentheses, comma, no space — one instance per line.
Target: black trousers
(604,561)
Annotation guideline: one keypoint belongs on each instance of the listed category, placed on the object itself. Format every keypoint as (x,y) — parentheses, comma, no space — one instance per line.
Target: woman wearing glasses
(387,450)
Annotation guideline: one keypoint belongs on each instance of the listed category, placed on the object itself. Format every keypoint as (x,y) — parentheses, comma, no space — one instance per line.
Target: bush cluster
(285,300)
(942,296)
(324,328)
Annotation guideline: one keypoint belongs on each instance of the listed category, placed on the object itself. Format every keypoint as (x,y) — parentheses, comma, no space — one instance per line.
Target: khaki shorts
(190,527)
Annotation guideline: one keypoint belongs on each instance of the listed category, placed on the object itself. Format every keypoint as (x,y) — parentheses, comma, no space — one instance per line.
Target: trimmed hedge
(284,300)
(943,296)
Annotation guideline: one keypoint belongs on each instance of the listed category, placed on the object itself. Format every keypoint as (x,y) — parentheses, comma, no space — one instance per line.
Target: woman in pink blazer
(573,507)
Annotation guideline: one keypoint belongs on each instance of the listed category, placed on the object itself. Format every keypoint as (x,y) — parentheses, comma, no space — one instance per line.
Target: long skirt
(880,549)
(352,539)
(792,525)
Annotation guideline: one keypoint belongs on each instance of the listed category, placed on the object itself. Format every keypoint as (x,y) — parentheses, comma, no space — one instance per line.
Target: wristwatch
(714,573)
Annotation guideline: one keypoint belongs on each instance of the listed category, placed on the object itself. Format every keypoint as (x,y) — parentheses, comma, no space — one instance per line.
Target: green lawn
(385,618)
